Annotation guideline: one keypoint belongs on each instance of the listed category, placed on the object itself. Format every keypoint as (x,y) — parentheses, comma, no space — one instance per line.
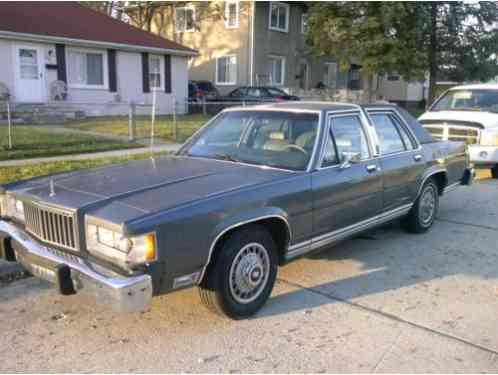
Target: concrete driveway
(385,302)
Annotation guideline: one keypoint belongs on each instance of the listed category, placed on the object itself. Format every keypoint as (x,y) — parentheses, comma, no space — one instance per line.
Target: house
(409,94)
(96,59)
(251,43)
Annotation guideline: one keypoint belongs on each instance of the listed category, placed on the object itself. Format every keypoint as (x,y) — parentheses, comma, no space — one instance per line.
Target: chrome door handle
(371,168)
(417,157)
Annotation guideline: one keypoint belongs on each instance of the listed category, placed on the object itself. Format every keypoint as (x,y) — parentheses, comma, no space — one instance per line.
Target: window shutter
(60,55)
(167,74)
(111,62)
(145,72)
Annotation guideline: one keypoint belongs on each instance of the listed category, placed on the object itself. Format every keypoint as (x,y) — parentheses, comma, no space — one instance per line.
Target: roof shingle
(75,21)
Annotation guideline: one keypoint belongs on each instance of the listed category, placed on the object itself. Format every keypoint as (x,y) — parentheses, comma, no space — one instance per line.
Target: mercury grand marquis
(254,188)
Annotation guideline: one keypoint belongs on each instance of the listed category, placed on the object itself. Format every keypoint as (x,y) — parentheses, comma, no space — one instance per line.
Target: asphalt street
(386,301)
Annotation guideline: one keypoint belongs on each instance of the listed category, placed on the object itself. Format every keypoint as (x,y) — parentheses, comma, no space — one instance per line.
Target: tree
(462,40)
(384,37)
(457,40)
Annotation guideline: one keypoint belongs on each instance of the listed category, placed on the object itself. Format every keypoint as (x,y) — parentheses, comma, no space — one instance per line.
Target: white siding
(129,84)
(7,65)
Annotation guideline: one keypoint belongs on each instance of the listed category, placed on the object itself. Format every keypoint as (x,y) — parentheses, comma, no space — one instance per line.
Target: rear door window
(388,134)
(350,138)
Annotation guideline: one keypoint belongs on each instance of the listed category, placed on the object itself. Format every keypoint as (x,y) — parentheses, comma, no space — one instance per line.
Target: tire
(226,288)
(423,213)
(494,171)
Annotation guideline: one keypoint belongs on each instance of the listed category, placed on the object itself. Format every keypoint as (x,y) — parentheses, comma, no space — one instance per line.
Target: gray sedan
(255,188)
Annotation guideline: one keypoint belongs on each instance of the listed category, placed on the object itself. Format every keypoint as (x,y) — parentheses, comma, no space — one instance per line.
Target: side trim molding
(343,233)
(215,241)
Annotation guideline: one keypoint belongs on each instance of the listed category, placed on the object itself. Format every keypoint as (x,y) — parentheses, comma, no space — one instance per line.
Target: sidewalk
(172,147)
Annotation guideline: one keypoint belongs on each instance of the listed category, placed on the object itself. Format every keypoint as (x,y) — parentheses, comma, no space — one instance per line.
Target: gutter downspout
(251,51)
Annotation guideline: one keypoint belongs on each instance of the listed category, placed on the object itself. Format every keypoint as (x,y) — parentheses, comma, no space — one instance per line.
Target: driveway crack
(391,317)
(469,224)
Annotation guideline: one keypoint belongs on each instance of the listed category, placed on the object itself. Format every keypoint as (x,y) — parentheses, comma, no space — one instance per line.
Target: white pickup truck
(468,113)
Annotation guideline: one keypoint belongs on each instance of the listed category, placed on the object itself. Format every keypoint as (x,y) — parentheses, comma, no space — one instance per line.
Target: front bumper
(72,274)
(483,155)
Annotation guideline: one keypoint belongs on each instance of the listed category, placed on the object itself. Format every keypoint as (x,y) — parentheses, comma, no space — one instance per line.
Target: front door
(345,193)
(29,74)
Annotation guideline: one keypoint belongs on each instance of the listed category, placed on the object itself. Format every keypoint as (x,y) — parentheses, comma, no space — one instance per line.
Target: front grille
(52,226)
(450,132)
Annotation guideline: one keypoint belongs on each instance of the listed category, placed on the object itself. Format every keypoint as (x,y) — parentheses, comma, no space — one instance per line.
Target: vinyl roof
(70,20)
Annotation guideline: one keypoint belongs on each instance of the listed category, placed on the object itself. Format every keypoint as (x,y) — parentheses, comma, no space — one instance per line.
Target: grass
(31,141)
(186,125)
(10,174)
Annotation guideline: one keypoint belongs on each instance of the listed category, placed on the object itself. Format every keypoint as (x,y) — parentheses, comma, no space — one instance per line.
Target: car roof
(479,86)
(308,106)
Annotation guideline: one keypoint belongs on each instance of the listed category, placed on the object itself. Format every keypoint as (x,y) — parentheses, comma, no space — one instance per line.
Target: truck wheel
(242,275)
(494,171)
(424,210)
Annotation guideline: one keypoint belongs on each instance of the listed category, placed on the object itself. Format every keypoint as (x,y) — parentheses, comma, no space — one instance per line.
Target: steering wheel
(296,147)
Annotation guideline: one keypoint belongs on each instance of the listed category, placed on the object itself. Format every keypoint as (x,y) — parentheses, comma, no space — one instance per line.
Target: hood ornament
(52,189)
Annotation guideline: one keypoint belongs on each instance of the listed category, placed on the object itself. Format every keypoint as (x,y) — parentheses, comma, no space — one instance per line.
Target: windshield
(468,100)
(272,138)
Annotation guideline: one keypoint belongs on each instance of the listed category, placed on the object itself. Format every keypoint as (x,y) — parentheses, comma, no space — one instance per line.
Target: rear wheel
(424,210)
(494,171)
(242,275)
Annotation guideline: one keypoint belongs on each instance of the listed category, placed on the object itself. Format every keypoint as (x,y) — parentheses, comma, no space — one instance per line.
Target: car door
(401,159)
(347,186)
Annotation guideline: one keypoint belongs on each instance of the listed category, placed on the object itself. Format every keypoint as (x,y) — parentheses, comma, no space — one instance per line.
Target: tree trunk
(432,54)
(368,89)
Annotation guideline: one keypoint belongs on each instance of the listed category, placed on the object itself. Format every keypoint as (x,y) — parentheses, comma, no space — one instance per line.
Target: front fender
(243,218)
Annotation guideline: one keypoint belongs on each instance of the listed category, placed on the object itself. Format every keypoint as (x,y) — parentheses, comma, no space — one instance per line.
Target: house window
(156,72)
(304,23)
(393,77)
(86,69)
(279,17)
(231,14)
(330,78)
(185,19)
(226,70)
(276,70)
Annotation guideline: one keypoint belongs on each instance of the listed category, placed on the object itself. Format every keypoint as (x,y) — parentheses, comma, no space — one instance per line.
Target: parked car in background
(255,188)
(468,113)
(258,94)
(199,91)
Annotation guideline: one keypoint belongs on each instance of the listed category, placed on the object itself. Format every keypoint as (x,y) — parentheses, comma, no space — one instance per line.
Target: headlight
(489,138)
(112,246)
(12,207)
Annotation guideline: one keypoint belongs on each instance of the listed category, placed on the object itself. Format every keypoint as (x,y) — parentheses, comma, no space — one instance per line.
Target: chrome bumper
(124,294)
(483,155)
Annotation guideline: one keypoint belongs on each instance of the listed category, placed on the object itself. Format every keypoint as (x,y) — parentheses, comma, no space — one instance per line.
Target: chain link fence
(30,130)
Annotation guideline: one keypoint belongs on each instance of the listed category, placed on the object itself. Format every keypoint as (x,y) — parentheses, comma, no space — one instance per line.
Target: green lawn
(10,174)
(31,141)
(186,125)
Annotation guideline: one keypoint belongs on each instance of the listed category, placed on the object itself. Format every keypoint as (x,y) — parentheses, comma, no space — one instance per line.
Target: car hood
(125,191)
(486,119)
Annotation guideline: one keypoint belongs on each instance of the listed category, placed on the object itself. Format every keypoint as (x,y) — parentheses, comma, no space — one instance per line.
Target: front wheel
(424,210)
(242,275)
(494,171)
